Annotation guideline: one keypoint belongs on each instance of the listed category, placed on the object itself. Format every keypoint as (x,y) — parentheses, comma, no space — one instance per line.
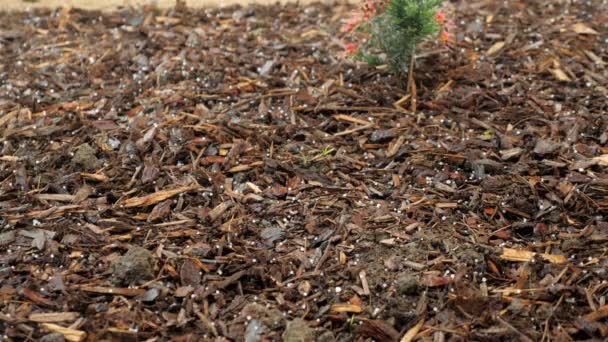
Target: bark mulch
(224,175)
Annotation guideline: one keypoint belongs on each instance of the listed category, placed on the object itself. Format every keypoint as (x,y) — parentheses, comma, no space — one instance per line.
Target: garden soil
(228,174)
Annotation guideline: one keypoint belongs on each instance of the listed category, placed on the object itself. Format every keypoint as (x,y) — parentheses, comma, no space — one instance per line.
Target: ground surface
(225,175)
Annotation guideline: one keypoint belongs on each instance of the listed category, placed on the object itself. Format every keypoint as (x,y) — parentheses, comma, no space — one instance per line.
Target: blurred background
(110,4)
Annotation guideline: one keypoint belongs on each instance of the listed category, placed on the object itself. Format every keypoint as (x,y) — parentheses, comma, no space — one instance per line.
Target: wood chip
(395,146)
(72,335)
(344,307)
(55,197)
(582,28)
(115,291)
(512,254)
(10,158)
(156,197)
(216,212)
(412,332)
(597,315)
(95,176)
(53,317)
(560,75)
(495,48)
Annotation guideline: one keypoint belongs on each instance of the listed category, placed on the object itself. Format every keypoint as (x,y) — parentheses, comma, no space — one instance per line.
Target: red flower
(352,23)
(351,48)
(369,8)
(440,17)
(444,36)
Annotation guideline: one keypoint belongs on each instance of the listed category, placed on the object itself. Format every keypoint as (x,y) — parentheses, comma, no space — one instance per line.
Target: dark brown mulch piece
(277,191)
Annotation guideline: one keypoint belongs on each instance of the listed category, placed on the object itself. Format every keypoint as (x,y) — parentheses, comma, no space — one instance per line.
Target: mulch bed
(225,175)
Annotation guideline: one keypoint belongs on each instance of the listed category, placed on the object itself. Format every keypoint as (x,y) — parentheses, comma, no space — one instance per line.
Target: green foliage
(325,153)
(396,32)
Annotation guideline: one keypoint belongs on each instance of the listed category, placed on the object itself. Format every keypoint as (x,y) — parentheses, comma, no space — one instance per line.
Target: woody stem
(411,85)
(410,72)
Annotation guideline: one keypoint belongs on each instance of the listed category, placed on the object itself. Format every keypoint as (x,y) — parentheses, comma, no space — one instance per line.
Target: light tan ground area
(112,4)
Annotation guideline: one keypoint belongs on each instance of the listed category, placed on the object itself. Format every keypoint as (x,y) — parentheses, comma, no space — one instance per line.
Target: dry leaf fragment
(582,28)
(512,254)
(495,48)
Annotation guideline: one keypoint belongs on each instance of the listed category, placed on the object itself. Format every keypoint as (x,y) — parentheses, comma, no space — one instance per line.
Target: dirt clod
(52,337)
(298,331)
(271,318)
(133,267)
(276,181)
(326,336)
(85,156)
(407,284)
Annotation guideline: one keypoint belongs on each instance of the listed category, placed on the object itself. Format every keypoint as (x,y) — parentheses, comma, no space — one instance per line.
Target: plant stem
(411,86)
(410,72)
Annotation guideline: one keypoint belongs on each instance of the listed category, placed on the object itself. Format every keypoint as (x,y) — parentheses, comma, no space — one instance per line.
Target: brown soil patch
(224,175)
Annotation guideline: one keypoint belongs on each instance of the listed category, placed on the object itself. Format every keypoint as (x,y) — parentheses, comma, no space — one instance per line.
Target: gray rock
(254,331)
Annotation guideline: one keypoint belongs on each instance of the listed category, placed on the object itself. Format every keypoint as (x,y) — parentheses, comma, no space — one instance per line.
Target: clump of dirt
(85,156)
(294,181)
(136,265)
(298,331)
(326,336)
(407,284)
(271,318)
(52,337)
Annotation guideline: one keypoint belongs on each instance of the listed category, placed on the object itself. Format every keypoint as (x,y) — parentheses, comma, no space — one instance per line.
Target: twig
(523,336)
